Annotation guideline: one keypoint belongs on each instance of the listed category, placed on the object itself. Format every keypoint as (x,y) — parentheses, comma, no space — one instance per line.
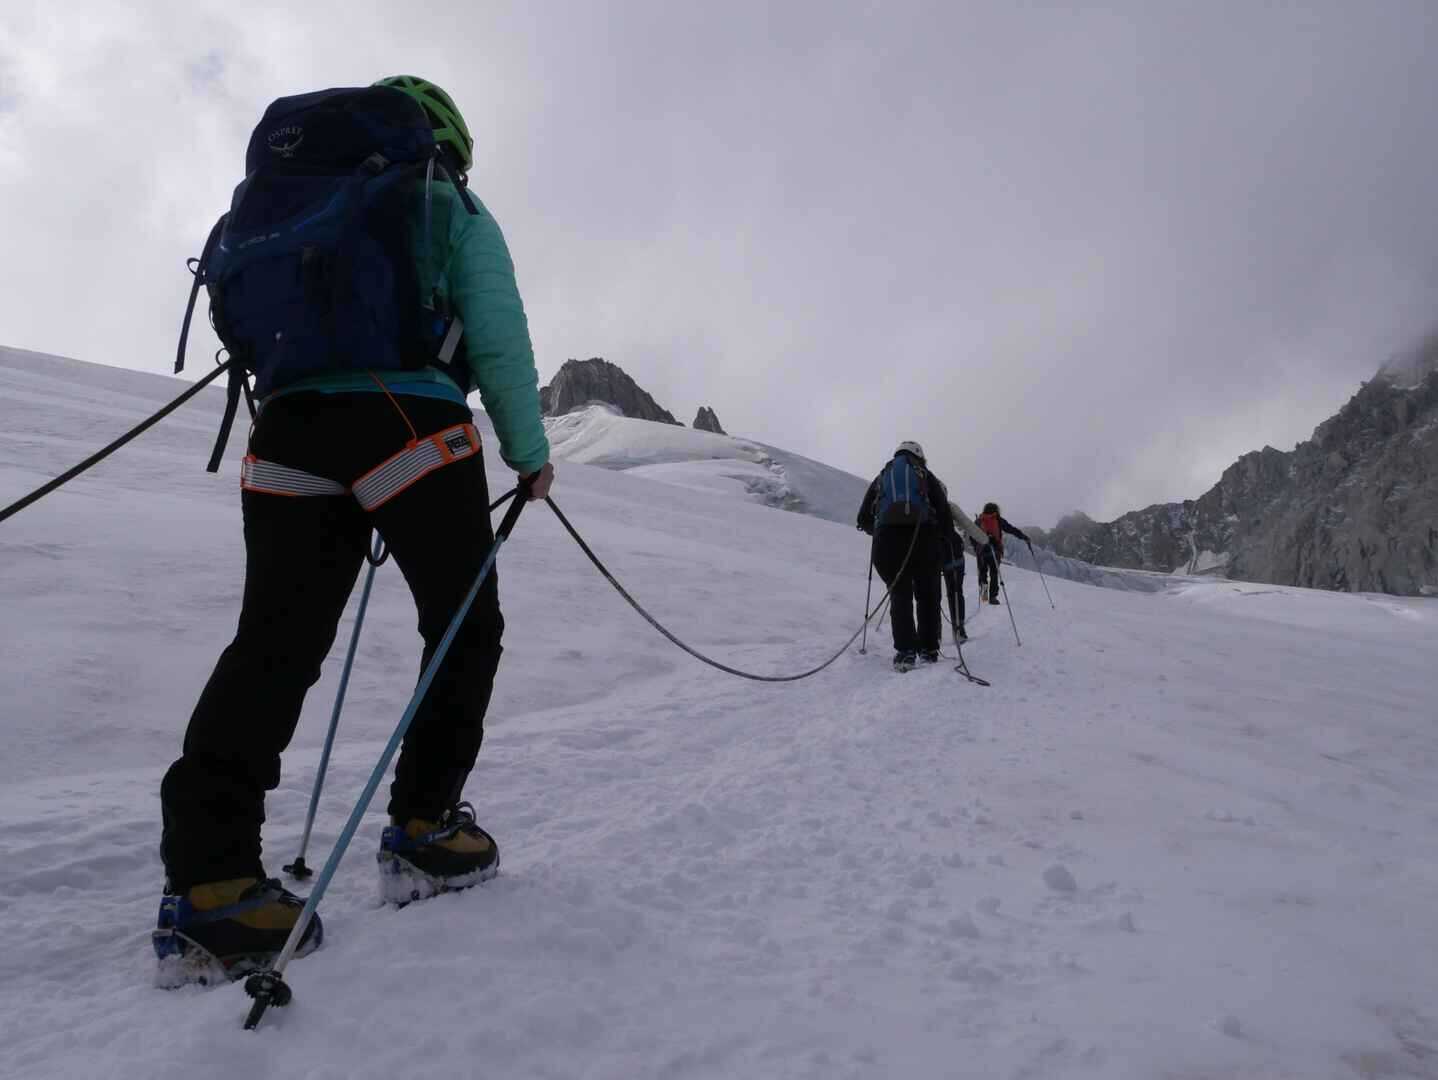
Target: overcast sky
(1087,254)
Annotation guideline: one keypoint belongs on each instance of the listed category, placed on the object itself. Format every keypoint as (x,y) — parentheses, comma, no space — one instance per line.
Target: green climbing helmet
(449,126)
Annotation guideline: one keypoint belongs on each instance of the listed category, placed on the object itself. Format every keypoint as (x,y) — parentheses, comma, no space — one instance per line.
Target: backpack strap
(232,405)
(198,272)
(237,381)
(461,185)
(455,325)
(451,341)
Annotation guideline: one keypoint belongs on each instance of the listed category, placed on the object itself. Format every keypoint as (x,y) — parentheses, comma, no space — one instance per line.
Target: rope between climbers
(652,621)
(100,455)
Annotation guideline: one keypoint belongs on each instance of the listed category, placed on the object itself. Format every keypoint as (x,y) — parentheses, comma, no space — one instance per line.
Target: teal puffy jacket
(475,276)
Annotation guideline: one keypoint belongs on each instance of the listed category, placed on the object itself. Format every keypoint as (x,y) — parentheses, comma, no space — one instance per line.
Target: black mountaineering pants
(988,576)
(302,556)
(955,581)
(920,584)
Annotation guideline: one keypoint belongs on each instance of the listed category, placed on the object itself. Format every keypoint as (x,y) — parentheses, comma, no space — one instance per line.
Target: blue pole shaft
(339,699)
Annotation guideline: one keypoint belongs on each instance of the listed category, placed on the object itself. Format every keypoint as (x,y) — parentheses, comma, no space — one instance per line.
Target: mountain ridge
(1353,508)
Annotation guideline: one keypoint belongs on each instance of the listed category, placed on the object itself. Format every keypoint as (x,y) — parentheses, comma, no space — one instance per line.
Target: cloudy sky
(1086,253)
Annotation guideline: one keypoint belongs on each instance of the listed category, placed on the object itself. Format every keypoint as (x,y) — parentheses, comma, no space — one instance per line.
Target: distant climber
(954,565)
(906,510)
(994,525)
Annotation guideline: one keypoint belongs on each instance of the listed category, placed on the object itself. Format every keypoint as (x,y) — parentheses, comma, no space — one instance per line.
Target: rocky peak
(1353,508)
(706,420)
(584,382)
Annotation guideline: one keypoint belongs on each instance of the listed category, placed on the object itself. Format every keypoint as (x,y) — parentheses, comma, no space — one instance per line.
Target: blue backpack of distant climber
(313,269)
(904,493)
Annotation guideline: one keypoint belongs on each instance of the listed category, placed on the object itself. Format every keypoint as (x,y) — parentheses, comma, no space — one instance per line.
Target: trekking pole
(868,595)
(268,987)
(297,869)
(1008,605)
(100,455)
(1040,569)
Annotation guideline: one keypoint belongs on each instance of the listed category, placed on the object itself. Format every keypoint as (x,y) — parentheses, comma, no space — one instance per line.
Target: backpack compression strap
(395,474)
(198,271)
(232,405)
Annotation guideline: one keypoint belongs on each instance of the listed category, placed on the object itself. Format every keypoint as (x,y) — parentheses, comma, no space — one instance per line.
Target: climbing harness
(395,474)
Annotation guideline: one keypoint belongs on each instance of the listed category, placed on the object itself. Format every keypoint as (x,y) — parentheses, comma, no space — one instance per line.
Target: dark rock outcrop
(1355,508)
(584,382)
(706,420)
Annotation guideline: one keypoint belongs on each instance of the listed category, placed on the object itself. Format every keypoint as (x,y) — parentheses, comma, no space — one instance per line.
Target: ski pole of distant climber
(297,869)
(1008,605)
(868,595)
(268,987)
(1040,569)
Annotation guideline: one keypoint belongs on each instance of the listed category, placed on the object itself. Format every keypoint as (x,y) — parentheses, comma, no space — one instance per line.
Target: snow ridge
(601,435)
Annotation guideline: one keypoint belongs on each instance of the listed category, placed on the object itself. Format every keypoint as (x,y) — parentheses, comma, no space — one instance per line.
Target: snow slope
(704,461)
(1185,834)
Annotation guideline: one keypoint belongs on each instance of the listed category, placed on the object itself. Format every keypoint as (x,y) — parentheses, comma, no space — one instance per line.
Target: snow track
(1186,834)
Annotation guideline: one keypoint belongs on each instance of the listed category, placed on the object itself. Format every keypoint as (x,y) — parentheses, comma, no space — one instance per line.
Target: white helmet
(909,447)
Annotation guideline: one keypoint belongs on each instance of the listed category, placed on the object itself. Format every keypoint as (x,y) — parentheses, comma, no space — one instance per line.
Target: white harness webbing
(418,459)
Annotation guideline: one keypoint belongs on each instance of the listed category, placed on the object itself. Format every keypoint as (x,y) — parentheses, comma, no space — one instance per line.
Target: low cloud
(1086,256)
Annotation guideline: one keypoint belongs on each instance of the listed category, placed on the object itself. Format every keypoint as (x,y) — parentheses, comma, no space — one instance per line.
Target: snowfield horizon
(1189,832)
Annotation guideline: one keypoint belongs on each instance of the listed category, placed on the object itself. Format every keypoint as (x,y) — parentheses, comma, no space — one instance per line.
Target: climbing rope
(100,455)
(652,621)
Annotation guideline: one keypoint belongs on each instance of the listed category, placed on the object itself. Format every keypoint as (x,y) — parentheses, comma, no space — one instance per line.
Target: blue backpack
(904,493)
(312,269)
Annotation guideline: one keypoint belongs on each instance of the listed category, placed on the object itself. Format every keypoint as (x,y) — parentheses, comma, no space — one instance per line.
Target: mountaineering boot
(904,661)
(420,859)
(224,930)
(929,656)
